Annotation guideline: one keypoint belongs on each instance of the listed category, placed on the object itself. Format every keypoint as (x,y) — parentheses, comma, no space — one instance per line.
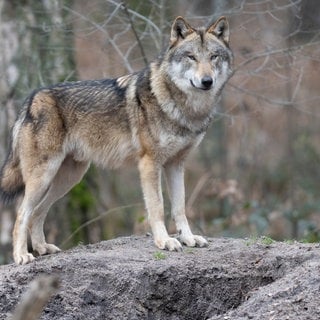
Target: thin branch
(144,57)
(283,103)
(96,25)
(197,190)
(97,219)
(298,85)
(139,16)
(273,52)
(35,299)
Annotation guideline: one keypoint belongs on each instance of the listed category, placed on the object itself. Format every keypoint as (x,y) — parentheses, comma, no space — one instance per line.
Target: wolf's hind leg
(37,182)
(175,181)
(68,175)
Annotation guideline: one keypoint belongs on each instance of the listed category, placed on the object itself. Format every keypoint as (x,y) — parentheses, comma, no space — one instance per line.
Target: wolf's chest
(170,144)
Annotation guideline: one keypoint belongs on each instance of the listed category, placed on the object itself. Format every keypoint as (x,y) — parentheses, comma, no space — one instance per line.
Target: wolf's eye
(191,57)
(214,57)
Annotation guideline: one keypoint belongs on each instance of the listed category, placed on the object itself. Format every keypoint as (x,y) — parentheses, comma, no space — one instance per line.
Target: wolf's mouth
(202,88)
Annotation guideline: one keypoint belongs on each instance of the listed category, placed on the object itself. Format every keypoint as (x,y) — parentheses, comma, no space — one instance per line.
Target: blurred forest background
(257,172)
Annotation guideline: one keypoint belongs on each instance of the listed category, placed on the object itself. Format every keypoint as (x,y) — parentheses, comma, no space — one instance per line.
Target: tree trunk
(35,51)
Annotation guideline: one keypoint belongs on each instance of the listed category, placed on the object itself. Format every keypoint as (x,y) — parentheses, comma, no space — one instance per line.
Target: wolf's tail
(11,180)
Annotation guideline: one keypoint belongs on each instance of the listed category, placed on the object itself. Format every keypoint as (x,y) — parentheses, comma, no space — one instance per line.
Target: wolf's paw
(46,248)
(169,243)
(193,241)
(23,258)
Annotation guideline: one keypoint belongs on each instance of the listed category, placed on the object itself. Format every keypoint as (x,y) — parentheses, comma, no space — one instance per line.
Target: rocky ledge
(128,278)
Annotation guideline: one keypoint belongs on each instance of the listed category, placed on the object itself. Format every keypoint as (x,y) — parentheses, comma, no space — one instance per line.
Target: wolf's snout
(206,82)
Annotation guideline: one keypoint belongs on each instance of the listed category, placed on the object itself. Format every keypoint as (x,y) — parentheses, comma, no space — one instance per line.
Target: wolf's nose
(206,82)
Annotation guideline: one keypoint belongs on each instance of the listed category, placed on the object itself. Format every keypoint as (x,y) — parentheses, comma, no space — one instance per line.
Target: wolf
(153,118)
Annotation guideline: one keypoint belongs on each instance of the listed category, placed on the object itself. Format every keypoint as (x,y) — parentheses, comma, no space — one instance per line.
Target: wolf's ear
(179,30)
(220,29)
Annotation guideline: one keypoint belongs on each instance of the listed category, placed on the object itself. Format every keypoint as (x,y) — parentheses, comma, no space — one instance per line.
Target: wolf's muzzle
(206,83)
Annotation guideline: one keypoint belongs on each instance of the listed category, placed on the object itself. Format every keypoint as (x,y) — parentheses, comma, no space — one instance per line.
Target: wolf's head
(199,58)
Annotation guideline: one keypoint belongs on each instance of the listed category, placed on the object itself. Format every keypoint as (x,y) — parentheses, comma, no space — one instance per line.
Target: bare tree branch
(98,27)
(35,299)
(125,8)
(274,52)
(140,16)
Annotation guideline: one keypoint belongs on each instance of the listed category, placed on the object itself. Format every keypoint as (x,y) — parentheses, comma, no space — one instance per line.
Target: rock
(129,278)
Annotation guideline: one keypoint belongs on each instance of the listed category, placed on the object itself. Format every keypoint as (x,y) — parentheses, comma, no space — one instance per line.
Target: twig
(97,219)
(273,52)
(140,16)
(124,7)
(197,189)
(98,27)
(35,299)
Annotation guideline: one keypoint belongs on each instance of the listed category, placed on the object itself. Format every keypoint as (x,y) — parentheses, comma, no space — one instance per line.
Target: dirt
(128,278)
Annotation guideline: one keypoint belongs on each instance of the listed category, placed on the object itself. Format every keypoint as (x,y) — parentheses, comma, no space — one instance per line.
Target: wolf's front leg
(150,175)
(175,181)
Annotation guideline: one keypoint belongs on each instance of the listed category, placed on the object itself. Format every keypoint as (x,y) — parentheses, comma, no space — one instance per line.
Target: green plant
(189,250)
(262,240)
(289,241)
(252,240)
(159,255)
(266,240)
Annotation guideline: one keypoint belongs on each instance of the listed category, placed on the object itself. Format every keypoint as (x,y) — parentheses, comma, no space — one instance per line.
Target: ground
(128,278)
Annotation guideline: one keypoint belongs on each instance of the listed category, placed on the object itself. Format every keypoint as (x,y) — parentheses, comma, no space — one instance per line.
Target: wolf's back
(11,181)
